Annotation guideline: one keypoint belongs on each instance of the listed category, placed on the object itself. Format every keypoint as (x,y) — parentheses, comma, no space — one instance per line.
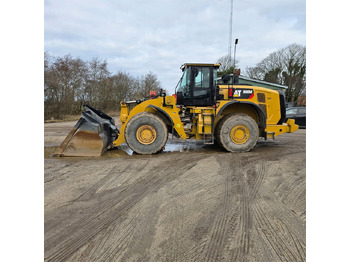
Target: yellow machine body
(206,118)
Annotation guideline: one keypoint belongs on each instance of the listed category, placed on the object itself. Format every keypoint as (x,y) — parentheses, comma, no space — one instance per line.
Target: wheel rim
(239,134)
(146,134)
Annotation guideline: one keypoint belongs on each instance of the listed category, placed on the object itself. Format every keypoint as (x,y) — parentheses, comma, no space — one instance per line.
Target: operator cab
(197,86)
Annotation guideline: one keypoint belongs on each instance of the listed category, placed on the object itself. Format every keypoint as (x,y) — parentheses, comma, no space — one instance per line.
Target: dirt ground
(189,203)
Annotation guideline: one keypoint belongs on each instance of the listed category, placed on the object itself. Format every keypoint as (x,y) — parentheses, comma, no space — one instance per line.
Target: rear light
(230,92)
(152,93)
(174,95)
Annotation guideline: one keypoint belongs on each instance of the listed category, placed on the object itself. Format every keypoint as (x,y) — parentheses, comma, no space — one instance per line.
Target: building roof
(255,82)
(261,82)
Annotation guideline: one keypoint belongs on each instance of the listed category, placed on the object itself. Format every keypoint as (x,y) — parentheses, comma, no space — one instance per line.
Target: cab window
(202,77)
(201,82)
(185,84)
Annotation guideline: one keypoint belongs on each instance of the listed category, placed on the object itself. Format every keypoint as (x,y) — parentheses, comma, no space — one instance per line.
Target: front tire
(237,133)
(146,133)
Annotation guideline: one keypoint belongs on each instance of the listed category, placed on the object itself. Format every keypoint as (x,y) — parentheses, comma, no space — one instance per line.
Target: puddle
(125,151)
(183,147)
(178,146)
(122,150)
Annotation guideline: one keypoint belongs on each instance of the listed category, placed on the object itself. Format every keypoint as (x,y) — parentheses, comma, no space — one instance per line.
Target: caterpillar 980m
(232,115)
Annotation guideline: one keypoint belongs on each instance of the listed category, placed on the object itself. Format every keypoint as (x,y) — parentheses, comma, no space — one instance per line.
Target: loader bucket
(92,135)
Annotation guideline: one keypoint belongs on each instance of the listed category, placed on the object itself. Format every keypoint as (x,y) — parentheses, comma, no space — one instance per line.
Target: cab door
(202,86)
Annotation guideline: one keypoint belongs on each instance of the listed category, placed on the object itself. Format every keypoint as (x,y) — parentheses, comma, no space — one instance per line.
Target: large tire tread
(150,119)
(232,120)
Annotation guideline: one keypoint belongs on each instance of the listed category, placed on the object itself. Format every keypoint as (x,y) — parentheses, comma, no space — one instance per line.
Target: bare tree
(286,66)
(63,80)
(96,89)
(145,85)
(122,85)
(150,83)
(227,66)
(71,82)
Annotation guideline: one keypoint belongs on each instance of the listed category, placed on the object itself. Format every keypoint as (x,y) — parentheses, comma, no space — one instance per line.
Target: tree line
(70,82)
(286,66)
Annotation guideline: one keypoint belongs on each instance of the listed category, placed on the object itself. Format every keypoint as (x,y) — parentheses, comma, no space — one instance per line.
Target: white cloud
(159,36)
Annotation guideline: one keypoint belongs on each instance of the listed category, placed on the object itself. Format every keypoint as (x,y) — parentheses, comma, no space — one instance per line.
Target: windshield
(184,84)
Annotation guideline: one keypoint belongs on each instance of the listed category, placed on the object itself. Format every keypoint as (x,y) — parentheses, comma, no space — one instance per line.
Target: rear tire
(237,133)
(146,133)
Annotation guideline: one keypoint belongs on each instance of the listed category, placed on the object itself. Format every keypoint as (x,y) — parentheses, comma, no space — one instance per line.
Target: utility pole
(230,35)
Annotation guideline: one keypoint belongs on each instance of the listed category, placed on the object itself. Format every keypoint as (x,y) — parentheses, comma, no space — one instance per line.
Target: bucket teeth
(92,135)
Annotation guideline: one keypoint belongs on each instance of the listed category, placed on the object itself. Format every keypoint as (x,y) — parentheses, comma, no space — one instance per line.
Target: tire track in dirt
(279,240)
(175,235)
(218,235)
(112,210)
(289,186)
(120,244)
(117,247)
(97,212)
(250,183)
(178,212)
(260,171)
(85,181)
(298,245)
(87,227)
(56,171)
(135,233)
(230,234)
(181,225)
(294,196)
(278,225)
(245,222)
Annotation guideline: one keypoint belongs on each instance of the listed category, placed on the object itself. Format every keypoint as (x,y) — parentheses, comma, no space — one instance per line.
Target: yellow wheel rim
(146,134)
(239,134)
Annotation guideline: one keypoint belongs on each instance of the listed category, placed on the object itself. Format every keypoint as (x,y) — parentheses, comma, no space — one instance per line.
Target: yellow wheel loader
(231,114)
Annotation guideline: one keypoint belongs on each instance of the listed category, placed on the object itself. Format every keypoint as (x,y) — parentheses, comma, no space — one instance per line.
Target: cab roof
(199,64)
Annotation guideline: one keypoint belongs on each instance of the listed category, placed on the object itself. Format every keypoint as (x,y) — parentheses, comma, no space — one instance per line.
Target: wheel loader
(224,112)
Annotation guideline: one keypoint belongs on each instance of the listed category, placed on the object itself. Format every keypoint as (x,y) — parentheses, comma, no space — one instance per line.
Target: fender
(163,113)
(177,126)
(261,114)
(169,112)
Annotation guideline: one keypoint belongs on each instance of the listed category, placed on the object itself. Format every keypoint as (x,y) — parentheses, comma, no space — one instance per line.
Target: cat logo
(237,93)
(241,93)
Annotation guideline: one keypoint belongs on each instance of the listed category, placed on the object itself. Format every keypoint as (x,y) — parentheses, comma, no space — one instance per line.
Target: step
(208,139)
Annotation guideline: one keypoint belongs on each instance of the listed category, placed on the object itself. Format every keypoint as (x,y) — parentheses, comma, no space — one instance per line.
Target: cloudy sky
(160,35)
